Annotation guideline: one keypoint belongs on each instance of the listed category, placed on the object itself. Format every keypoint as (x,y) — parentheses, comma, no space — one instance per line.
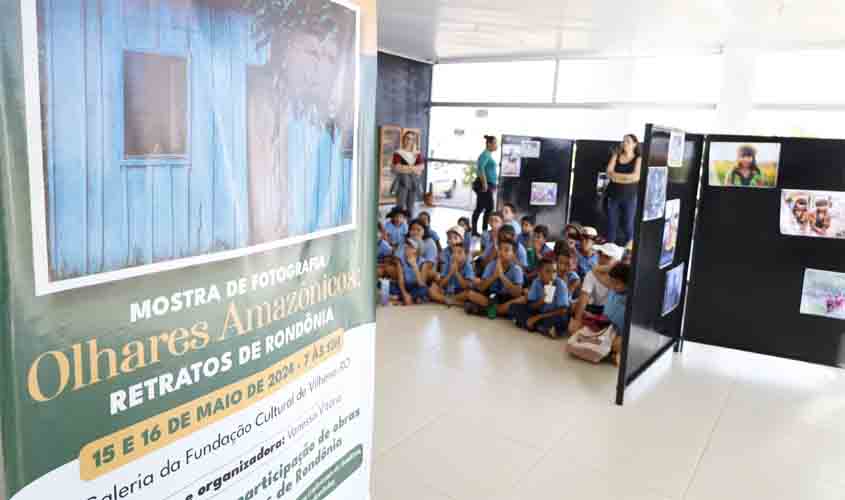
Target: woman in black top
(624,173)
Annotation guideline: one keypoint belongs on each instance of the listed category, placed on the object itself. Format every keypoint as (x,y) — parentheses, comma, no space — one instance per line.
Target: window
(594,80)
(156,105)
(797,123)
(799,77)
(681,78)
(457,133)
(521,81)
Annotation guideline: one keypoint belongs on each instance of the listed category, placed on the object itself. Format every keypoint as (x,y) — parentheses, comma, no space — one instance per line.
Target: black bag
(476,185)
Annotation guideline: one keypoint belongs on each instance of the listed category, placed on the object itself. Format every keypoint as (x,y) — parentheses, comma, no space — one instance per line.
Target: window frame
(164,158)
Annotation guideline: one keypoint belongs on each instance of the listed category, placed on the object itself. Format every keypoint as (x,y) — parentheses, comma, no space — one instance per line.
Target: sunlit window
(810,76)
(681,78)
(522,81)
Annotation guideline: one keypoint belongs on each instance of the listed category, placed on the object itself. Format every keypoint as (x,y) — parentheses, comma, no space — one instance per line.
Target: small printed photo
(737,164)
(812,214)
(823,294)
(655,197)
(670,233)
(674,285)
(677,141)
(511,160)
(602,182)
(530,149)
(544,193)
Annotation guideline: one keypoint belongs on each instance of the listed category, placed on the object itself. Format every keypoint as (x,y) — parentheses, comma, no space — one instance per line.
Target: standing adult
(408,168)
(624,173)
(485,185)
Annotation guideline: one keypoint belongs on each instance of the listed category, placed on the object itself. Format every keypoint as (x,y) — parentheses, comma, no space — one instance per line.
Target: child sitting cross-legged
(409,284)
(546,307)
(501,283)
(458,278)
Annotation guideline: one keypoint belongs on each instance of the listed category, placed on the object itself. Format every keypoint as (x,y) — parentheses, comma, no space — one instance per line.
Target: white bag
(589,345)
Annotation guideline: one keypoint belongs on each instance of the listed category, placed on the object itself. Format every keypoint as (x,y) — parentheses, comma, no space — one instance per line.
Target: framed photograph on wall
(823,294)
(677,142)
(511,160)
(670,233)
(812,214)
(674,287)
(544,193)
(744,165)
(655,196)
(390,140)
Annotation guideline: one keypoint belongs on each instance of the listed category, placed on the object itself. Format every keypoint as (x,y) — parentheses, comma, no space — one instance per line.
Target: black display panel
(747,279)
(649,333)
(554,165)
(591,159)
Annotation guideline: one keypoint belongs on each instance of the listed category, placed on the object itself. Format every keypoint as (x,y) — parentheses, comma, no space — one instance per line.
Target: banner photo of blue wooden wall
(180,132)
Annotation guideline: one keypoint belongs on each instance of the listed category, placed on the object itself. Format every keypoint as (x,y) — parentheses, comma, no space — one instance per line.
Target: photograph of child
(511,160)
(530,149)
(677,141)
(674,286)
(823,294)
(670,233)
(655,198)
(734,164)
(813,214)
(202,130)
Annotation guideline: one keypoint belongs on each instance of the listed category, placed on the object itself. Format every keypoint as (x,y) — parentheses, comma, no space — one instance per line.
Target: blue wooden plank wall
(108,212)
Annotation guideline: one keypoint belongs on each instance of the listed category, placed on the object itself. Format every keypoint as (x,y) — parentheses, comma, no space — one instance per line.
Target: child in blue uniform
(546,307)
(501,282)
(458,278)
(527,233)
(587,256)
(409,285)
(384,248)
(425,218)
(509,217)
(396,226)
(566,266)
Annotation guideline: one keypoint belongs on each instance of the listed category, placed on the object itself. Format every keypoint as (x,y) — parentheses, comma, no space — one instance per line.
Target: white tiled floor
(468,408)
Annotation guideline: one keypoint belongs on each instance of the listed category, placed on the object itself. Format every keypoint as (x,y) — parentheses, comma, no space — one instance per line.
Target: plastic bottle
(385,291)
(491,307)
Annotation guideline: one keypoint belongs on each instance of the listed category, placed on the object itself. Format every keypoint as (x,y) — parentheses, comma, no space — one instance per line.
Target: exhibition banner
(186,243)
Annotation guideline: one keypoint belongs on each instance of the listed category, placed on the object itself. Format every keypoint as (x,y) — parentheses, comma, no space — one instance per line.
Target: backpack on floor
(589,345)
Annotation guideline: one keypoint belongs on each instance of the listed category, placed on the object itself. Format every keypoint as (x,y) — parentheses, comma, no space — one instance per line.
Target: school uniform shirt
(524,239)
(514,274)
(445,258)
(486,240)
(572,277)
(538,292)
(454,286)
(428,252)
(615,309)
(395,233)
(517,227)
(384,249)
(408,272)
(586,264)
(597,292)
(434,236)
(468,242)
(521,255)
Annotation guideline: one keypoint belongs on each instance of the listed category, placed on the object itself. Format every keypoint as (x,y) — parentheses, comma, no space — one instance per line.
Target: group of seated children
(514,274)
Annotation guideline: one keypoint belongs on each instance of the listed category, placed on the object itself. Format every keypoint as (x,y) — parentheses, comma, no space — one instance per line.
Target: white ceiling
(448,29)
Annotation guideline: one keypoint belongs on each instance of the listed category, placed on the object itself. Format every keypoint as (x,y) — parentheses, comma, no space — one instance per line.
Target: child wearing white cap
(596,289)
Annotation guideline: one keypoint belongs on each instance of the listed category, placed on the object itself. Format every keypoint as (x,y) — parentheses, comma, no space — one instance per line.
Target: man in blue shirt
(501,282)
(546,307)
